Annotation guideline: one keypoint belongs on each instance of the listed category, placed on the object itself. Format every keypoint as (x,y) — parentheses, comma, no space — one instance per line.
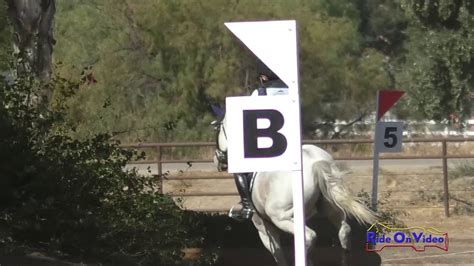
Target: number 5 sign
(389,137)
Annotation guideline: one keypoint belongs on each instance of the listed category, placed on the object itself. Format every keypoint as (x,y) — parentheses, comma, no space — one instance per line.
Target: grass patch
(461,169)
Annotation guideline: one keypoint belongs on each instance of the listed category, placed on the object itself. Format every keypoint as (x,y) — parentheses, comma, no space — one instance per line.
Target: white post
(299,218)
(282,59)
(375,174)
(298,202)
(298,184)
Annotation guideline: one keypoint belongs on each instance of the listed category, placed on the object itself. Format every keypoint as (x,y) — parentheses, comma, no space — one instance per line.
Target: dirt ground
(416,191)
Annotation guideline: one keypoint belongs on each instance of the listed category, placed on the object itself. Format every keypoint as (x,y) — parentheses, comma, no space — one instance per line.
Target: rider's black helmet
(265,73)
(267,78)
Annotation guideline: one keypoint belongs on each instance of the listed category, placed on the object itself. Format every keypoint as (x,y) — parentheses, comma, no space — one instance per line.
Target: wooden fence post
(159,167)
(445,178)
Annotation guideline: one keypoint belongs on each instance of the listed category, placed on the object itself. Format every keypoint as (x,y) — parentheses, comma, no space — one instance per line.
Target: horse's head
(220,155)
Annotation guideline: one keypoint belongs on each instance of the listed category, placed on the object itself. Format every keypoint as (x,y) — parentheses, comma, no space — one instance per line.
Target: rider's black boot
(243,186)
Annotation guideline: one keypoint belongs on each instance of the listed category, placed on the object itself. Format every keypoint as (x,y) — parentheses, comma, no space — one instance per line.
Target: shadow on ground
(239,244)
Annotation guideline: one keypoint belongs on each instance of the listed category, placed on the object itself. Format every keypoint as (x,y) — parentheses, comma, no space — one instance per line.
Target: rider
(269,84)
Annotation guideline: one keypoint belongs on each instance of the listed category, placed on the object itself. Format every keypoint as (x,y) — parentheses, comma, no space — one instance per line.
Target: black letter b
(252,133)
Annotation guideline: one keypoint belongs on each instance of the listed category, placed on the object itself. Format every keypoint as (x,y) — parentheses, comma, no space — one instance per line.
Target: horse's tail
(333,189)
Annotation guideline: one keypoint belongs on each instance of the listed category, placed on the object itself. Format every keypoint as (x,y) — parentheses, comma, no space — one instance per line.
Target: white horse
(273,199)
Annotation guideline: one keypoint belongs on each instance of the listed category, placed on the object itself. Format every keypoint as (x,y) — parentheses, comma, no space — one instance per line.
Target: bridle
(221,155)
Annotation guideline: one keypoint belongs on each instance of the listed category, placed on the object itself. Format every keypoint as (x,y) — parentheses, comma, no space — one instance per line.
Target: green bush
(71,197)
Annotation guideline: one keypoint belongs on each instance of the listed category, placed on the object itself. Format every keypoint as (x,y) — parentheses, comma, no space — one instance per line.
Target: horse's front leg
(284,221)
(270,237)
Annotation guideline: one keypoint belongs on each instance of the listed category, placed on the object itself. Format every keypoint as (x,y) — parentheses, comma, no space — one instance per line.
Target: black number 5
(390,135)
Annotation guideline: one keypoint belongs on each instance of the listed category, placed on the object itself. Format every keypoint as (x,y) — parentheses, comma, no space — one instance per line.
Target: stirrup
(240,215)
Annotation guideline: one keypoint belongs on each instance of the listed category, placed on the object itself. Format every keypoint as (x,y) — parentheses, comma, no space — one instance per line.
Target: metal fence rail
(443,155)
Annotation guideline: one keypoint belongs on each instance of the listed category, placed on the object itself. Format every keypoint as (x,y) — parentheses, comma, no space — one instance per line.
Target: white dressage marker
(282,58)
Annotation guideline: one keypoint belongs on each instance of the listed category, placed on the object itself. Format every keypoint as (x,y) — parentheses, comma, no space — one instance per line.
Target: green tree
(438,65)
(5,38)
(71,197)
(156,63)
(385,29)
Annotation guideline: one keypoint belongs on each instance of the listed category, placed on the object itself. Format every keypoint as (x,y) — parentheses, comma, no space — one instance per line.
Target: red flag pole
(385,100)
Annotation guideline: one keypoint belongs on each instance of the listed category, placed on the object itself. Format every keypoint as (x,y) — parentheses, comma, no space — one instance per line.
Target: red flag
(387,98)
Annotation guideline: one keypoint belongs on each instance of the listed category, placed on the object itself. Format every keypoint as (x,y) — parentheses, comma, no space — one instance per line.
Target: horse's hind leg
(345,235)
(338,219)
(345,240)
(270,237)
